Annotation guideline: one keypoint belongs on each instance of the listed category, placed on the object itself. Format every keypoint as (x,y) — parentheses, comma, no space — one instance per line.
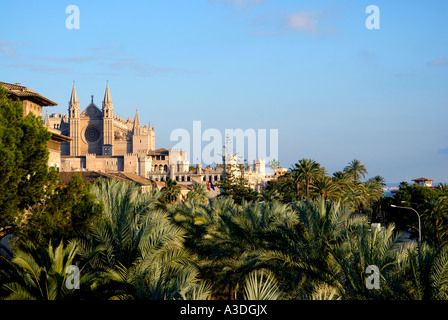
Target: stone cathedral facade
(104,141)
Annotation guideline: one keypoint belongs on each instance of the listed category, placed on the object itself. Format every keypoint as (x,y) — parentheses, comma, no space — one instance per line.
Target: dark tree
(61,216)
(24,175)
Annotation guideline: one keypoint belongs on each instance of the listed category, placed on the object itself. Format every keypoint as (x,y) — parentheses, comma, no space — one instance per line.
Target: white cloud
(6,47)
(439,62)
(303,21)
(241,5)
(314,22)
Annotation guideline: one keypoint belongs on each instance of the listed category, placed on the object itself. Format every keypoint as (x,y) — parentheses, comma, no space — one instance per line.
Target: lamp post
(419,225)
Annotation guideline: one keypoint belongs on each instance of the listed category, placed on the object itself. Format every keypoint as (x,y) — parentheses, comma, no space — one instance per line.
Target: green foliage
(306,171)
(432,205)
(171,192)
(307,236)
(140,248)
(62,215)
(24,172)
(198,193)
(41,273)
(235,186)
(261,285)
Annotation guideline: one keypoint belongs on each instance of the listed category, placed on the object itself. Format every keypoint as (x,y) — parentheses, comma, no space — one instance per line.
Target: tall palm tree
(327,187)
(356,169)
(307,171)
(435,220)
(198,192)
(171,191)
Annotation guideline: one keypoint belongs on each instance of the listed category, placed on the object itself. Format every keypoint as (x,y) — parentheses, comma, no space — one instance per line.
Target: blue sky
(311,69)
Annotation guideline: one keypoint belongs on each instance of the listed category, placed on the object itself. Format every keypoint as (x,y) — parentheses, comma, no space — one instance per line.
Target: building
(424,182)
(33,102)
(102,141)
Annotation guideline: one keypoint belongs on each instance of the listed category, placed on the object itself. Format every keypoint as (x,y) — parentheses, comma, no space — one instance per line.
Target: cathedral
(100,140)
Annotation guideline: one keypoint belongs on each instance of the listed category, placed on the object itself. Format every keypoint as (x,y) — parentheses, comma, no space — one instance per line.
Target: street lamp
(419,226)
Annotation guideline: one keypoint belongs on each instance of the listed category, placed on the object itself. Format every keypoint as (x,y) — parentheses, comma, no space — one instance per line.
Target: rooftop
(422,179)
(22,92)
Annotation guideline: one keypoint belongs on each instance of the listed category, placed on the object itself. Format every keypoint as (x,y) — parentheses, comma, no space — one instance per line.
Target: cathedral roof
(92,111)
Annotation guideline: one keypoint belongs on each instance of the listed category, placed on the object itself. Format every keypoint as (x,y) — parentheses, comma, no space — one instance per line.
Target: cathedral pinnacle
(74,97)
(107,98)
(136,128)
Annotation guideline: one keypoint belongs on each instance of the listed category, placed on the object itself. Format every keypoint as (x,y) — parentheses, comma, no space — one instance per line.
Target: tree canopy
(24,173)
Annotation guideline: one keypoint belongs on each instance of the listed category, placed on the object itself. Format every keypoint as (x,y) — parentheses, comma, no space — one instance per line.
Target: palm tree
(428,278)
(300,251)
(261,285)
(198,193)
(435,220)
(307,171)
(443,187)
(142,250)
(344,181)
(232,236)
(363,247)
(357,196)
(43,274)
(327,187)
(171,191)
(356,169)
(271,195)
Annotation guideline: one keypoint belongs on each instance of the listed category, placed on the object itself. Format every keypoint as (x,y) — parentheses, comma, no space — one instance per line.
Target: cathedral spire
(107,98)
(108,106)
(74,97)
(136,123)
(73,104)
(136,119)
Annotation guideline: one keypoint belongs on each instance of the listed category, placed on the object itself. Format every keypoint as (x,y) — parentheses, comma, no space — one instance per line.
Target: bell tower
(108,123)
(74,113)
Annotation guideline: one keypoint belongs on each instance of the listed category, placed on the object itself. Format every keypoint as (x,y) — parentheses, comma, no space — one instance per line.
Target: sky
(334,89)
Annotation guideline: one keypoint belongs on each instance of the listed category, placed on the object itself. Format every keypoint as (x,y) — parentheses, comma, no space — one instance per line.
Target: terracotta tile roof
(87,176)
(22,92)
(422,179)
(135,178)
(160,151)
